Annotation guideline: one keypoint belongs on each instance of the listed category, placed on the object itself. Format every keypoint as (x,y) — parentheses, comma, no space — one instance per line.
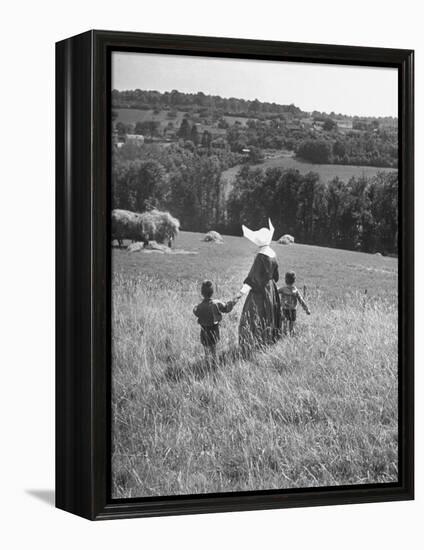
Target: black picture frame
(83,274)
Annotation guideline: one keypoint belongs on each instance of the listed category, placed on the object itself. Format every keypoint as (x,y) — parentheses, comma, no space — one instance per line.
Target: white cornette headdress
(261,237)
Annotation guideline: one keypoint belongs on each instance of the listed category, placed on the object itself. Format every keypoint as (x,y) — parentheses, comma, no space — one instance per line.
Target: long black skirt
(260,322)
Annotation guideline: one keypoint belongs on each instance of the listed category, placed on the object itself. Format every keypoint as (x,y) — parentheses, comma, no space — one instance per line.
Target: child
(289,298)
(209,315)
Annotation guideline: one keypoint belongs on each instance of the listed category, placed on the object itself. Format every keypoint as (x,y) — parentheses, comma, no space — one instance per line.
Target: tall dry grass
(314,410)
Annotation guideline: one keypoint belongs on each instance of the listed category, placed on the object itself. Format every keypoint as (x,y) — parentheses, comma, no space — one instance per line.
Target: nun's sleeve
(253,280)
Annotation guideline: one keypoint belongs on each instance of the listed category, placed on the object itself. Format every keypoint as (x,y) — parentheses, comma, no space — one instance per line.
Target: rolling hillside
(319,409)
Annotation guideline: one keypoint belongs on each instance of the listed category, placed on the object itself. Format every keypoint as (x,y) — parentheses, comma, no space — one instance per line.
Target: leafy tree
(219,143)
(175,98)
(247,203)
(336,199)
(147,127)
(121,128)
(256,155)
(306,206)
(222,123)
(197,189)
(184,131)
(339,149)
(255,106)
(137,184)
(314,150)
(382,227)
(206,139)
(194,135)
(329,125)
(236,138)
(189,145)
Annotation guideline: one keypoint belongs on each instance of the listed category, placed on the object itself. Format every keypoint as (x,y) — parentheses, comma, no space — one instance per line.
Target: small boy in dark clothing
(290,296)
(209,315)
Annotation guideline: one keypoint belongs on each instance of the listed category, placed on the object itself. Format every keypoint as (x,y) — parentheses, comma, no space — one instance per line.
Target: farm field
(132,116)
(314,410)
(231,119)
(325,171)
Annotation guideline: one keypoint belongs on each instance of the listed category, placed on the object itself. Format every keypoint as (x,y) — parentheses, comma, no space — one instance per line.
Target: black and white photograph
(211,236)
(254,226)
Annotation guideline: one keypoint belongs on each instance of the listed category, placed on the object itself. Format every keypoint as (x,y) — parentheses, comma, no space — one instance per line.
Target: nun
(260,322)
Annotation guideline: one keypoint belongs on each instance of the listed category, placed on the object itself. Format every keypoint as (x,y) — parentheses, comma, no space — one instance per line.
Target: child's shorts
(289,314)
(209,336)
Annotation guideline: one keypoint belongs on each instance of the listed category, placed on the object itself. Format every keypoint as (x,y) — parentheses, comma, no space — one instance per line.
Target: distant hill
(152,99)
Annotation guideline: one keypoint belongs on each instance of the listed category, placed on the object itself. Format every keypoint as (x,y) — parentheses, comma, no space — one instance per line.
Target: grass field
(326,171)
(132,116)
(314,410)
(242,120)
(128,116)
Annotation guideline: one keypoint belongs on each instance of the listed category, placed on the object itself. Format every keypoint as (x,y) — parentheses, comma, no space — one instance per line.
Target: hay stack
(153,225)
(166,227)
(135,247)
(213,237)
(286,239)
(151,246)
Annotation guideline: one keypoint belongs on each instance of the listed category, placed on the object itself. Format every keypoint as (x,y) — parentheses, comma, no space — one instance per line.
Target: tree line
(151,99)
(177,178)
(205,104)
(365,149)
(360,214)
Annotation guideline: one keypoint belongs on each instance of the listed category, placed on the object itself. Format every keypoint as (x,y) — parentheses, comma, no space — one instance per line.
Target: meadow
(326,171)
(132,116)
(317,409)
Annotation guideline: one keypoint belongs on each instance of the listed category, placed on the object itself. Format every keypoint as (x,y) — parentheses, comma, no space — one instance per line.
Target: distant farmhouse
(135,138)
(307,122)
(120,140)
(344,125)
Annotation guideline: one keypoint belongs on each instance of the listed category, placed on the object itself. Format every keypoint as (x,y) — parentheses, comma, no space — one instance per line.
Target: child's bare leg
(285,326)
(291,327)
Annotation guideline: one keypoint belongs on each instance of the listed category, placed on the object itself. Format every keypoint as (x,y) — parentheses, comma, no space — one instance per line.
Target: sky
(350,90)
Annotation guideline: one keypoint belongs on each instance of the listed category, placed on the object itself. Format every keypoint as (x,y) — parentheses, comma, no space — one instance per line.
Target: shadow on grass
(203,366)
(206,366)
